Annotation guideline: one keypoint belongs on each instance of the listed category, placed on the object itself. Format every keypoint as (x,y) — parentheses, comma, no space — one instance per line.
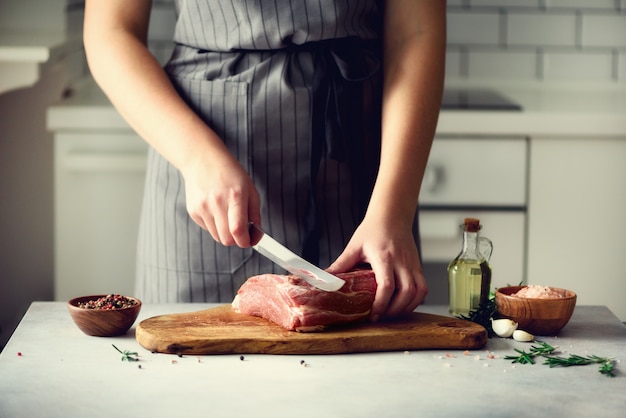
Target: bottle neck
(470,245)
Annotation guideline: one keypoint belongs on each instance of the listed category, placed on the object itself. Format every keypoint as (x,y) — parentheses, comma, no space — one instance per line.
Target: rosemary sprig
(546,351)
(483,314)
(127,355)
(606,364)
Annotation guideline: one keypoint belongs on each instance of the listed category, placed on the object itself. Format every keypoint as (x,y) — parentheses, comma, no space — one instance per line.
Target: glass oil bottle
(469,274)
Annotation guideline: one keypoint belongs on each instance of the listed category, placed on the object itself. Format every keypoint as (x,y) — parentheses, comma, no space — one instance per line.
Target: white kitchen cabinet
(577,211)
(98,190)
(482,177)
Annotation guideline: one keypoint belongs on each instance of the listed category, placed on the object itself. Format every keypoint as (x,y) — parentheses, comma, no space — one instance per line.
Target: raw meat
(297,306)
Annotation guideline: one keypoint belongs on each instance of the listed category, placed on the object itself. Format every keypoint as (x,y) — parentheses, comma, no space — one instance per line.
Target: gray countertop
(49,368)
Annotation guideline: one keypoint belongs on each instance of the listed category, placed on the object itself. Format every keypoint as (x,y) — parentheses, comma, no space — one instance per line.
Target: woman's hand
(392,254)
(222,199)
(220,195)
(414,54)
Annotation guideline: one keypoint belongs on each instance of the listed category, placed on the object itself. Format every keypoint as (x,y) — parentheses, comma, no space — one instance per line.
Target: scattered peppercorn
(109,302)
(179,354)
(302,361)
(242,358)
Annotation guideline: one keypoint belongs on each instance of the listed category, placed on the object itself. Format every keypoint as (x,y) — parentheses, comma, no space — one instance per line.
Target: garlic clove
(520,335)
(503,327)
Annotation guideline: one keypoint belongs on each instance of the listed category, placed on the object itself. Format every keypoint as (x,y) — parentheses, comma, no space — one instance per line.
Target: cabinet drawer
(84,153)
(476,172)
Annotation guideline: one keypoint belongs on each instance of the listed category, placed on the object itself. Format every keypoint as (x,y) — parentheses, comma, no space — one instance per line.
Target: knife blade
(294,264)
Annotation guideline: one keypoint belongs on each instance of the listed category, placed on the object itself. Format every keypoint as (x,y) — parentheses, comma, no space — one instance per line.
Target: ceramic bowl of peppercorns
(104,315)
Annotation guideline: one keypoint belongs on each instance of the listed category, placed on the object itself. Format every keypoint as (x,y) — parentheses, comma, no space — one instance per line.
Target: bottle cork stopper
(472,225)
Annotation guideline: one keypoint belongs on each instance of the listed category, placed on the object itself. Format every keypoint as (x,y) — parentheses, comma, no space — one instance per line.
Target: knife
(294,264)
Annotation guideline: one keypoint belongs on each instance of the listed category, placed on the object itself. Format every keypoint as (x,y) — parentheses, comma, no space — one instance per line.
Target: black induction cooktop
(477,99)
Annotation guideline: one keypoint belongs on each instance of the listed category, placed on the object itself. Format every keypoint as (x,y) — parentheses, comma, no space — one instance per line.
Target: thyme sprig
(127,355)
(546,351)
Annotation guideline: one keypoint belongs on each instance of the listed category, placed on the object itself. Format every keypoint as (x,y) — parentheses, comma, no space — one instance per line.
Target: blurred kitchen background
(71,171)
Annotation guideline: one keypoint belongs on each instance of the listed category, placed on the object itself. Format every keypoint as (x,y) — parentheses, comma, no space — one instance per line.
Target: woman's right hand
(222,199)
(220,195)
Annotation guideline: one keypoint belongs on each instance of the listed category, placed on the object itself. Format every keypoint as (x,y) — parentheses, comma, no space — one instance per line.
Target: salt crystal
(538,292)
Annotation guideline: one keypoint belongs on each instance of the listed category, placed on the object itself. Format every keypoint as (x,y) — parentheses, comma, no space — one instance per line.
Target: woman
(312,118)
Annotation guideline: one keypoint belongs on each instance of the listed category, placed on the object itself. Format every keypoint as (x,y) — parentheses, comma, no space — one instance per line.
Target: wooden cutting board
(220,330)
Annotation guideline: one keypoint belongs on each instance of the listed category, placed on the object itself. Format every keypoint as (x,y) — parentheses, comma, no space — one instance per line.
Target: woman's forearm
(414,56)
(115,43)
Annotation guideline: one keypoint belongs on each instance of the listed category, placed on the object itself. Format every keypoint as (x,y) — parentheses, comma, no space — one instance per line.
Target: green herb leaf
(546,351)
(127,355)
(483,314)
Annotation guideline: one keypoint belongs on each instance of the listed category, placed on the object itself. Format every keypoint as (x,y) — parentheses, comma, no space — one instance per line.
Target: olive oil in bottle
(469,274)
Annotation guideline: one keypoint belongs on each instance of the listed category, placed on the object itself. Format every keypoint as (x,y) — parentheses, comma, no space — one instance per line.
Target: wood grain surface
(220,330)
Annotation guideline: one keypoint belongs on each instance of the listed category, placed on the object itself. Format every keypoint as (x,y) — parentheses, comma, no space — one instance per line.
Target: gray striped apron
(290,87)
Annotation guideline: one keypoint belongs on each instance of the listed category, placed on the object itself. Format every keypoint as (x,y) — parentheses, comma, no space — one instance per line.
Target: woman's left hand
(391,252)
(414,32)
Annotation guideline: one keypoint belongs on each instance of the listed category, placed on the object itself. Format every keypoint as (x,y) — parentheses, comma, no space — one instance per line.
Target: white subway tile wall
(599,30)
(504,3)
(541,29)
(537,40)
(584,4)
(479,28)
(506,39)
(517,64)
(578,66)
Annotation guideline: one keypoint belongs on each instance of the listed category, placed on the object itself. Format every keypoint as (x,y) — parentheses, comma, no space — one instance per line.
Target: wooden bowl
(537,316)
(100,322)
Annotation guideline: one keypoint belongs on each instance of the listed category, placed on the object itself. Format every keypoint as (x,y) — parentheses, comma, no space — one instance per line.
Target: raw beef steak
(297,306)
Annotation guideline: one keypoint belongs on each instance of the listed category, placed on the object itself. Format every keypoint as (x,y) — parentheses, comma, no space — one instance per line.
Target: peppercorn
(241,358)
(109,302)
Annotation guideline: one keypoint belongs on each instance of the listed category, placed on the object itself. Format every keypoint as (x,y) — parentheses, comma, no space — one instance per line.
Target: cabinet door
(476,172)
(577,230)
(98,191)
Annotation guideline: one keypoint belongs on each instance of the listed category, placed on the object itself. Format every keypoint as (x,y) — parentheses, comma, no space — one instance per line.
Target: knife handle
(256,233)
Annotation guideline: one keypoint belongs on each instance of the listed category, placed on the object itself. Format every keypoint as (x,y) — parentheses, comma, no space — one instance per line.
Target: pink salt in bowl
(539,316)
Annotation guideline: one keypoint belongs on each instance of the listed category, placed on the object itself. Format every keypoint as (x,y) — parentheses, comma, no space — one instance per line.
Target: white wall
(26,164)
